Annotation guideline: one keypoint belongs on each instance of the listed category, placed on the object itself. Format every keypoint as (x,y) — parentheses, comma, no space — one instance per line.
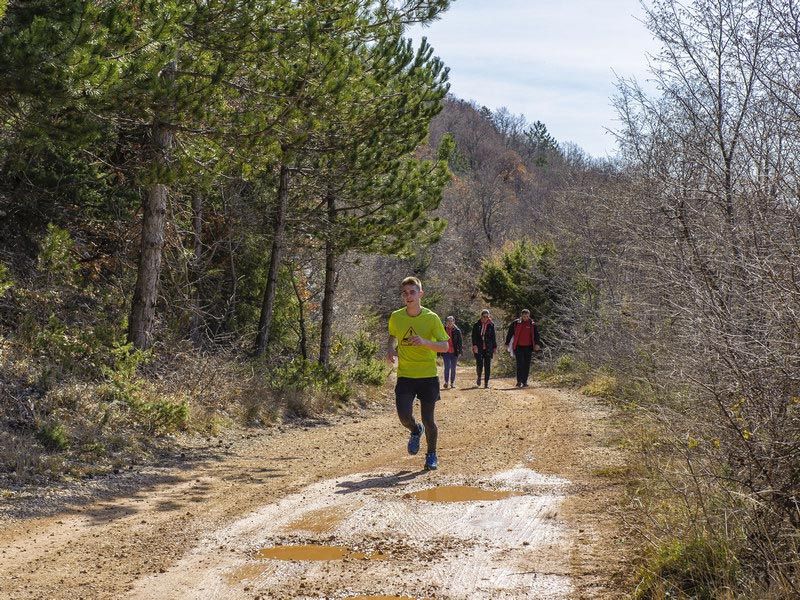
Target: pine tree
(316,68)
(539,144)
(338,127)
(526,275)
(377,196)
(129,79)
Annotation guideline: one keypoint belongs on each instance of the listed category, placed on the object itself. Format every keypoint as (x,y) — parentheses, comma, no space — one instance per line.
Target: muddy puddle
(315,552)
(499,537)
(460,493)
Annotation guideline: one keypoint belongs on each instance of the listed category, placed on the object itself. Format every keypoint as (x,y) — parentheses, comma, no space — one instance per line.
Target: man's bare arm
(430,344)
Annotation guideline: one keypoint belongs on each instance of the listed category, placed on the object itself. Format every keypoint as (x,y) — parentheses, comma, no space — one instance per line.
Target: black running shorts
(424,388)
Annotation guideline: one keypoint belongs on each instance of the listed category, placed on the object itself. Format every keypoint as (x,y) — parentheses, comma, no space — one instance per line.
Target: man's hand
(474,349)
(536,347)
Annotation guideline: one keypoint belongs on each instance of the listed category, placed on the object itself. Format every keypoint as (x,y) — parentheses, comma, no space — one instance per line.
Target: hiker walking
(523,337)
(484,343)
(454,348)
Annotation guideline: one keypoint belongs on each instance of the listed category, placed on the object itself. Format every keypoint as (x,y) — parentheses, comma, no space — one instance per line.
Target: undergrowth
(77,401)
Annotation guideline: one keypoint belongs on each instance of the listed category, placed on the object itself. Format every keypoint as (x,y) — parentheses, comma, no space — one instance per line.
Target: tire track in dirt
(559,539)
(454,550)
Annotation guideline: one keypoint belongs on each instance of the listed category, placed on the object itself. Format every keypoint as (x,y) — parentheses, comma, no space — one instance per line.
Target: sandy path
(194,530)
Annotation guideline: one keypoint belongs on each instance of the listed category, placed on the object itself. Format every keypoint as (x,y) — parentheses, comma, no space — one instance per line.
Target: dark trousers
(427,390)
(483,363)
(523,355)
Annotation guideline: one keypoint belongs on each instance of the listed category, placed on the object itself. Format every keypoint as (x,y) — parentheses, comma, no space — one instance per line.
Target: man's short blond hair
(411,281)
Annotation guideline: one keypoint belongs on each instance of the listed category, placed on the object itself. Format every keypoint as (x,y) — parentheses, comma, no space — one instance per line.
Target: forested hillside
(206,208)
(179,182)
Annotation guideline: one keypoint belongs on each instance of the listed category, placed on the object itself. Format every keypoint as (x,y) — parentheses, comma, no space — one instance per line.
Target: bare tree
(712,210)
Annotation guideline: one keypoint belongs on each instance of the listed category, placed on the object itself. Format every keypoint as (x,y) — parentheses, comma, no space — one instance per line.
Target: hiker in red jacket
(523,335)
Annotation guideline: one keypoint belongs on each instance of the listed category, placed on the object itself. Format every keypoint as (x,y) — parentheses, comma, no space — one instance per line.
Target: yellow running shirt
(416,361)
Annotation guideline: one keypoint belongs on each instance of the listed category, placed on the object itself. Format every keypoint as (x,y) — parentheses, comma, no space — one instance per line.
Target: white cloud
(551,61)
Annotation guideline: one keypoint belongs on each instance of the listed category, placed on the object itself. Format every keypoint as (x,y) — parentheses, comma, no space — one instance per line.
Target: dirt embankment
(205,528)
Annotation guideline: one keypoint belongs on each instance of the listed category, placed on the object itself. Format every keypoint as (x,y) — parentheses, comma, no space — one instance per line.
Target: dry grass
(601,386)
(79,429)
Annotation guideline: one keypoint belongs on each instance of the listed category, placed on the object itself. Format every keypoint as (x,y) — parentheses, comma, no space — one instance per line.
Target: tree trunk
(275,259)
(154,205)
(301,319)
(196,325)
(330,287)
(230,308)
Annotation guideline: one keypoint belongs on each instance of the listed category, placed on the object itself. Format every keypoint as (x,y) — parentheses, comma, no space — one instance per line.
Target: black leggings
(427,390)
(523,357)
(483,362)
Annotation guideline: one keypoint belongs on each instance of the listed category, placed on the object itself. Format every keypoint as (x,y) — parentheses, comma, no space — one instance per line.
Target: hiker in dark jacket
(523,335)
(454,349)
(484,343)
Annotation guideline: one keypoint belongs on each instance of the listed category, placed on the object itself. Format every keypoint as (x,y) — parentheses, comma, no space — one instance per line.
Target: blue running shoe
(413,441)
(431,464)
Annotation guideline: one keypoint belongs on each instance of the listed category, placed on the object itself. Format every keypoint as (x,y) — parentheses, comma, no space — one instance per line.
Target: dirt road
(544,522)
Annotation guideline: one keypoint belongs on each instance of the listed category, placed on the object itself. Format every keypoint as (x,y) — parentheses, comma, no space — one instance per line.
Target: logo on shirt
(406,341)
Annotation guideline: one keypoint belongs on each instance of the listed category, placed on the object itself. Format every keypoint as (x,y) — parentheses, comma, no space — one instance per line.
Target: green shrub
(370,372)
(122,384)
(86,351)
(65,348)
(364,348)
(117,392)
(163,415)
(697,569)
(300,374)
(56,258)
(52,436)
(123,387)
(566,372)
(336,385)
(125,361)
(368,369)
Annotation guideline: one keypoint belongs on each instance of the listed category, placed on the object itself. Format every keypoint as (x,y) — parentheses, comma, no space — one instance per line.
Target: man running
(416,335)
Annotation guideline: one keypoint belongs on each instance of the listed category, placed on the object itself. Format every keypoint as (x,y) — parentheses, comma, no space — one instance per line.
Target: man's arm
(430,344)
(391,350)
(439,346)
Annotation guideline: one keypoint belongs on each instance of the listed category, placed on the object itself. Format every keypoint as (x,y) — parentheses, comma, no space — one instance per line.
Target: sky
(554,61)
